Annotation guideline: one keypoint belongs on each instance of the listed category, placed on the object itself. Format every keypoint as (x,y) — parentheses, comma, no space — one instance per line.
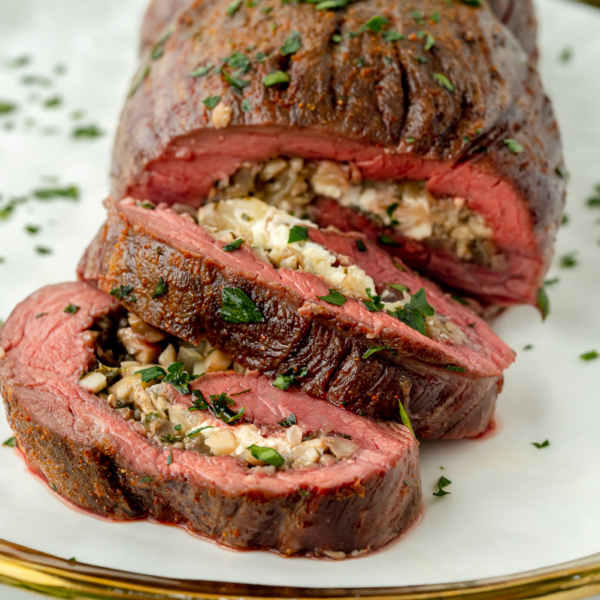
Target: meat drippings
(269,230)
(214,425)
(291,184)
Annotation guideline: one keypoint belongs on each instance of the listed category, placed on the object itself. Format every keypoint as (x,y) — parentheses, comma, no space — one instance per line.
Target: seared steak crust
(92,457)
(137,247)
(393,108)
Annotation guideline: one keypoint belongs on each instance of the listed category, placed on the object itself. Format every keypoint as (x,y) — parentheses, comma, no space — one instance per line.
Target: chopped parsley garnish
(41,315)
(201,71)
(429,42)
(7,107)
(246,106)
(52,102)
(291,420)
(592,355)
(566,54)
(177,427)
(414,312)
(233,7)
(331,4)
(89,131)
(72,559)
(387,240)
(392,36)
(147,480)
(552,281)
(455,368)
(336,38)
(442,483)
(11,442)
(528,347)
(151,373)
(211,101)
(267,455)
(179,378)
(283,382)
(360,62)
(137,82)
(235,245)
(543,303)
(197,431)
(123,292)
(291,45)
(18,62)
(298,233)
(444,81)
(43,250)
(477,3)
(170,458)
(71,309)
(334,297)
(376,23)
(374,303)
(544,444)
(594,201)
(398,287)
(568,261)
(36,80)
(459,299)
(275,78)
(418,16)
(235,82)
(361,246)
(159,48)
(70,192)
(170,439)
(240,63)
(32,229)
(405,418)
(513,146)
(218,406)
(161,289)
(374,349)
(243,392)
(237,307)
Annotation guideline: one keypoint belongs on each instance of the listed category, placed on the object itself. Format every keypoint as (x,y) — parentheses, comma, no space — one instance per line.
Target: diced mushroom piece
(340,447)
(189,357)
(94,382)
(168,356)
(294,436)
(142,400)
(329,180)
(222,442)
(181,415)
(137,346)
(149,333)
(305,456)
(123,388)
(217,361)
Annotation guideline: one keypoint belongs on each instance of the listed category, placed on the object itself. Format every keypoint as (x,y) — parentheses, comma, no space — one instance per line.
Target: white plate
(512,507)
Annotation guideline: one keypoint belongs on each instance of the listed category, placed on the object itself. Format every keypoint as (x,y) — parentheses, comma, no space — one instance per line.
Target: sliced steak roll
(331,312)
(228,456)
(420,124)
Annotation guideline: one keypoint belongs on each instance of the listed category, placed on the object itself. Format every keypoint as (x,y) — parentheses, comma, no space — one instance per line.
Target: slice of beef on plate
(119,462)
(421,124)
(331,311)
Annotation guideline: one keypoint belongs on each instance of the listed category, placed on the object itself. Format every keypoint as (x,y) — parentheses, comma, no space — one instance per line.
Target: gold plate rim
(35,571)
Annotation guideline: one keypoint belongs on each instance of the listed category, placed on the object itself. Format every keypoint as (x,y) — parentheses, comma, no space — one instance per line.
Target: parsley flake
(513,146)
(11,442)
(592,355)
(237,307)
(444,81)
(71,309)
(405,418)
(235,245)
(291,45)
(233,7)
(161,289)
(543,303)
(275,78)
(137,82)
(123,292)
(201,71)
(361,246)
(442,483)
(211,101)
(298,233)
(291,420)
(544,444)
(376,23)
(267,455)
(334,297)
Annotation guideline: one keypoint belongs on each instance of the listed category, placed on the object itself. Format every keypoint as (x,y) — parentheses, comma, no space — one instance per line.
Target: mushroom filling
(408,207)
(137,362)
(282,240)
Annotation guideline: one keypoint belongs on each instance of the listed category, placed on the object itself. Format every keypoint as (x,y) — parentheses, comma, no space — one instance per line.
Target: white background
(512,507)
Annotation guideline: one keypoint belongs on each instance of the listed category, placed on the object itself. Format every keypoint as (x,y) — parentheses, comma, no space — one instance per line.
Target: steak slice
(94,458)
(468,116)
(448,389)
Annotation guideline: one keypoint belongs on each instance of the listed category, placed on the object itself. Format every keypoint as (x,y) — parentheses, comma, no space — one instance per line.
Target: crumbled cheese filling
(407,206)
(267,230)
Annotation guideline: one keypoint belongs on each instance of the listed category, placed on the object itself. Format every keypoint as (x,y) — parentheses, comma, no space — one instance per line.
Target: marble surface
(512,507)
